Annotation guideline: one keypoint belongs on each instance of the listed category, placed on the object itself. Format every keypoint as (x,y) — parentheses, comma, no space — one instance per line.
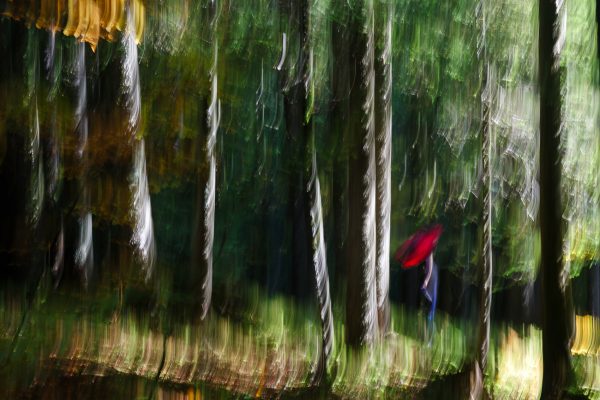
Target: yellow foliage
(86,20)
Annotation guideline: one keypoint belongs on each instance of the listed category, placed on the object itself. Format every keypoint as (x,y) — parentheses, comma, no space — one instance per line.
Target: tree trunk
(297,94)
(141,210)
(361,298)
(206,176)
(84,255)
(485,282)
(341,84)
(294,101)
(383,151)
(557,307)
(319,254)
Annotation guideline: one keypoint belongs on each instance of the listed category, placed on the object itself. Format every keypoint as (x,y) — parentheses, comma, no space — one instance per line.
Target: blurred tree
(485,282)
(557,307)
(361,297)
(208,125)
(339,115)
(383,20)
(298,94)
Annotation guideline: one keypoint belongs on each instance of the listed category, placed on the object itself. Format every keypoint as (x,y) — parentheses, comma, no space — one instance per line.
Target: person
(413,252)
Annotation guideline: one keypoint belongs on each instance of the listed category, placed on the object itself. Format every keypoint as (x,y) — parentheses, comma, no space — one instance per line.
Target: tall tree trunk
(54,156)
(206,177)
(361,297)
(557,307)
(34,149)
(485,282)
(319,254)
(294,70)
(383,151)
(84,255)
(341,84)
(141,210)
(298,112)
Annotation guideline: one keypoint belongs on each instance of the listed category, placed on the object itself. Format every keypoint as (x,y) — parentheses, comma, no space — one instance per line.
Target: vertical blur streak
(81,117)
(212,115)
(37,172)
(319,252)
(486,272)
(586,351)
(36,187)
(518,364)
(131,73)
(299,93)
(341,84)
(557,307)
(59,252)
(54,144)
(84,254)
(207,174)
(141,210)
(383,150)
(320,257)
(50,52)
(598,29)
(361,302)
(485,302)
(54,178)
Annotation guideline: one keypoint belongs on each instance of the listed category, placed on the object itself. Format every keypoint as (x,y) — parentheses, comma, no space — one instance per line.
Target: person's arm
(428,270)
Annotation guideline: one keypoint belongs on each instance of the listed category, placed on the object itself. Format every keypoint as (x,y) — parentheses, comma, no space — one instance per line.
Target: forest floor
(59,346)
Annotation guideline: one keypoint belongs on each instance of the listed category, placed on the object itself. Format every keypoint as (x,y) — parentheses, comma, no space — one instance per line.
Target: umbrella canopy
(418,247)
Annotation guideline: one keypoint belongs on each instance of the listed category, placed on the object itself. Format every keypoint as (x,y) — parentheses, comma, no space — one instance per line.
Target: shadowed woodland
(299,199)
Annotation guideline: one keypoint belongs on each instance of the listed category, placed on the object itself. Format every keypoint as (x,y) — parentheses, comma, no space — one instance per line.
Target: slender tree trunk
(319,254)
(141,210)
(206,176)
(485,283)
(557,307)
(294,68)
(298,93)
(383,150)
(84,255)
(54,159)
(33,145)
(361,297)
(341,84)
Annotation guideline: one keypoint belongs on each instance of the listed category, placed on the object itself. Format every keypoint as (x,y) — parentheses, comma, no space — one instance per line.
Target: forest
(299,199)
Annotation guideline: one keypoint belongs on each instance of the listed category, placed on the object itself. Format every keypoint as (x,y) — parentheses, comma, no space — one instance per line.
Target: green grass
(274,349)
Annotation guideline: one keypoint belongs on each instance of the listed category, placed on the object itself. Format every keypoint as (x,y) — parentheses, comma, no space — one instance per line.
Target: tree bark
(383,151)
(84,255)
(361,297)
(485,282)
(297,95)
(206,175)
(557,307)
(341,84)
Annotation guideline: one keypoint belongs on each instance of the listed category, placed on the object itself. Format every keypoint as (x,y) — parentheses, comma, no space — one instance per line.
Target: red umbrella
(418,247)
